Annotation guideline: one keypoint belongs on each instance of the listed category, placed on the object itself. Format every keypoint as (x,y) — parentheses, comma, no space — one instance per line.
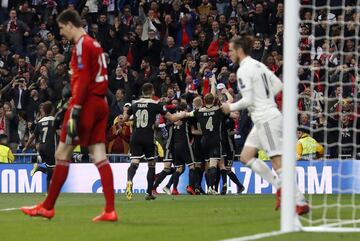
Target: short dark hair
(245,42)
(69,16)
(209,99)
(47,107)
(147,89)
(146,59)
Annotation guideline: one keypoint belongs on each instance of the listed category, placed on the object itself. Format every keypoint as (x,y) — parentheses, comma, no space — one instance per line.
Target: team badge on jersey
(242,85)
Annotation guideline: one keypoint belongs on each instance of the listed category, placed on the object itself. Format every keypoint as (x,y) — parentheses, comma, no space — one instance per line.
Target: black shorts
(47,155)
(183,154)
(212,149)
(142,148)
(198,151)
(229,159)
(227,151)
(169,153)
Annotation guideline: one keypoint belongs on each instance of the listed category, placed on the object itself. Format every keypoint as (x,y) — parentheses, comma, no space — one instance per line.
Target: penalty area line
(256,236)
(8,209)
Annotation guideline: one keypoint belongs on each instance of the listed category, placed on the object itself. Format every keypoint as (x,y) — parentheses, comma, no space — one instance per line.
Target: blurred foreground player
(258,87)
(85,119)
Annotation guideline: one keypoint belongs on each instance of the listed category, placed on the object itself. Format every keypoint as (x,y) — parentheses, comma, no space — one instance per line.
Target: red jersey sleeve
(81,71)
(89,68)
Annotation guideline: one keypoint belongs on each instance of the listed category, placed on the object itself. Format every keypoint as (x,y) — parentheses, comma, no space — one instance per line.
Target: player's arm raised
(229,97)
(212,80)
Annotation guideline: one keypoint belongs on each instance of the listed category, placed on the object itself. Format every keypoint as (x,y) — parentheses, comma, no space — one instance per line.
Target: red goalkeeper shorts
(92,122)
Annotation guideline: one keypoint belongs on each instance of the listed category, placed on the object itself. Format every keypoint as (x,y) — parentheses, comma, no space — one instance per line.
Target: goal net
(329,112)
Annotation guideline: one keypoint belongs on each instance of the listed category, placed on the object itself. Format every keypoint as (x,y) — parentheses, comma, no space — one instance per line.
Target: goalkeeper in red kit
(85,119)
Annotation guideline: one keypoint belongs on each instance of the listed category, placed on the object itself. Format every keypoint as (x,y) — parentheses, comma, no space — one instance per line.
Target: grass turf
(167,218)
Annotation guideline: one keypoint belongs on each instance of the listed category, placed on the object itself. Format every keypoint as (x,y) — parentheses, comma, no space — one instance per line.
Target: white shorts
(267,136)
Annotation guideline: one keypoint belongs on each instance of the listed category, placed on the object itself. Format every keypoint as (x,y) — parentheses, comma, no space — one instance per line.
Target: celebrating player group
(201,137)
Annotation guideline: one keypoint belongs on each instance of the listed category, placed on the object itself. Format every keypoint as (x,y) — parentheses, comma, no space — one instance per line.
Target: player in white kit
(258,87)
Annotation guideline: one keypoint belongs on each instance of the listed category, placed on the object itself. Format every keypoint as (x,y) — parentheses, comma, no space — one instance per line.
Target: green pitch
(167,218)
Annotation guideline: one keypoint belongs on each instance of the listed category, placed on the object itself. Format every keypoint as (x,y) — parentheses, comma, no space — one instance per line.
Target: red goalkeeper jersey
(89,70)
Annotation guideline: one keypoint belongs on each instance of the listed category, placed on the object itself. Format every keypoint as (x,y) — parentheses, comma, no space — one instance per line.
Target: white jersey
(262,85)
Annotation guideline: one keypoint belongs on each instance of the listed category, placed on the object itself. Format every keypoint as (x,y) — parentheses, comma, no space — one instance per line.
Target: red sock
(57,181)
(107,182)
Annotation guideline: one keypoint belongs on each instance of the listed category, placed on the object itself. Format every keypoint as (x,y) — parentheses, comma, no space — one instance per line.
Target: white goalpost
(291,21)
(332,47)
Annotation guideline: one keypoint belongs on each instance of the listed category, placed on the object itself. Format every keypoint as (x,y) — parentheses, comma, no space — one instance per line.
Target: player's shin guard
(150,179)
(58,179)
(170,182)
(107,181)
(132,171)
(212,176)
(176,177)
(49,173)
(223,176)
(217,179)
(191,178)
(263,170)
(234,178)
(161,176)
(197,183)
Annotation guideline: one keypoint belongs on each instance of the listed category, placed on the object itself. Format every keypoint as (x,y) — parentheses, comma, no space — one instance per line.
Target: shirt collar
(247,58)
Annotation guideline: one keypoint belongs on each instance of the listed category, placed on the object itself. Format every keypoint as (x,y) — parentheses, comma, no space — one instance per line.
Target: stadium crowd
(175,45)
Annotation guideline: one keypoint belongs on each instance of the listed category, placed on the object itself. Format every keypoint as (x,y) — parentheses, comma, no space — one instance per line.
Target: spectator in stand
(126,18)
(119,136)
(232,84)
(304,120)
(39,56)
(258,50)
(260,18)
(204,7)
(104,26)
(19,94)
(150,20)
(152,48)
(148,73)
(214,32)
(33,105)
(6,155)
(347,137)
(117,106)
(5,55)
(28,15)
(158,82)
(185,28)
(16,30)
(168,28)
(194,50)
(11,125)
(232,10)
(171,54)
(219,49)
